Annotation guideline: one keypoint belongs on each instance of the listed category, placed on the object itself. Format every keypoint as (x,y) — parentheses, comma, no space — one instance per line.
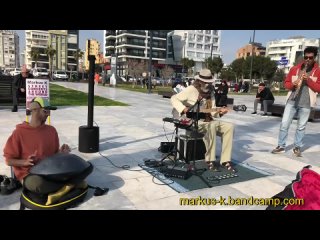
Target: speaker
(166,147)
(88,139)
(186,148)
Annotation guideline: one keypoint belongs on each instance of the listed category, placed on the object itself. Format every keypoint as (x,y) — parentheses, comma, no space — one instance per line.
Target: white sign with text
(36,88)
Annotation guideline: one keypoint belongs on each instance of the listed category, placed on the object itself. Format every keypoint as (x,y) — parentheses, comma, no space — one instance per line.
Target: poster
(36,88)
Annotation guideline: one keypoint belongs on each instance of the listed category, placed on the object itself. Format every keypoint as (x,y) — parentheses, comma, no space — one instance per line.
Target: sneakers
(254,113)
(297,152)
(264,115)
(278,150)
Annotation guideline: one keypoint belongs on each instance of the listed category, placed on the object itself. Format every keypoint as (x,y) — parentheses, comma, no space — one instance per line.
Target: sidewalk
(128,135)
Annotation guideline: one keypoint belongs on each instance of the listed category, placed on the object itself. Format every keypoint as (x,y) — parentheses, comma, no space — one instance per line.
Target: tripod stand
(175,149)
(196,134)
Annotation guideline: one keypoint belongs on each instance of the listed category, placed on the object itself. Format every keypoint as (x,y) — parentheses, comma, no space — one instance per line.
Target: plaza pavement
(128,135)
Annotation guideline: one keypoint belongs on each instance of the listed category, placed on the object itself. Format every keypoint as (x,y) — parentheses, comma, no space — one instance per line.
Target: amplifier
(186,146)
(166,147)
(177,172)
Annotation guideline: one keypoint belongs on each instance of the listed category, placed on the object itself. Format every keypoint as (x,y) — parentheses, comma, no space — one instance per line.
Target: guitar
(187,119)
(237,108)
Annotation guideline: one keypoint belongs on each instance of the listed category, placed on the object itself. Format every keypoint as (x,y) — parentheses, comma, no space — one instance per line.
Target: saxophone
(300,80)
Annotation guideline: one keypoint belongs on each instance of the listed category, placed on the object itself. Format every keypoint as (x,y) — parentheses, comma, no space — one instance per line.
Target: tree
(167,72)
(50,51)
(187,64)
(35,55)
(136,68)
(227,74)
(214,64)
(237,67)
(78,54)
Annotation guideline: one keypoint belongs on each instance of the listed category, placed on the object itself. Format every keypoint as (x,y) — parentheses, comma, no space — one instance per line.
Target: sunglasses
(309,57)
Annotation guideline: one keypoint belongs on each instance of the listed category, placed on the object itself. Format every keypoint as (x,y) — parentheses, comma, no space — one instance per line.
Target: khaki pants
(212,130)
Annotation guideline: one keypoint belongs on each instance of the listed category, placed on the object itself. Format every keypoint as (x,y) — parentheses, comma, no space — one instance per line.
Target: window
(191,45)
(199,46)
(207,39)
(208,31)
(200,38)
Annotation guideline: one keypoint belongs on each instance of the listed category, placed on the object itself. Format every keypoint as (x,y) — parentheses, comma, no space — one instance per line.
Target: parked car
(40,72)
(15,71)
(60,75)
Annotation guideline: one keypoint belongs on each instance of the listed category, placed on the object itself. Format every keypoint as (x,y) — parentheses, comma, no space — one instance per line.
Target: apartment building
(65,42)
(94,49)
(9,49)
(36,40)
(252,48)
(197,45)
(287,52)
(134,45)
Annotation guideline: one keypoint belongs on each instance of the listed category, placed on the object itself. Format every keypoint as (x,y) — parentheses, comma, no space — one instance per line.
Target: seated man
(32,142)
(202,91)
(265,97)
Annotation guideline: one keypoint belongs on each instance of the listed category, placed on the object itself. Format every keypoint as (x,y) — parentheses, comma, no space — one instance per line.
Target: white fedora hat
(205,76)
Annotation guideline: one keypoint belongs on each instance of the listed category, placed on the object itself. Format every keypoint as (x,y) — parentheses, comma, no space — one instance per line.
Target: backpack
(302,194)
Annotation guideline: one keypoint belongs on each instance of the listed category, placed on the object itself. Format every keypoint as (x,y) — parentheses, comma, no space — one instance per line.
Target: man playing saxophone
(303,83)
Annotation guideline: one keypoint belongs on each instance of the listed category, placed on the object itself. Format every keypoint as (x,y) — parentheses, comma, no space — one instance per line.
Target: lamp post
(150,61)
(254,31)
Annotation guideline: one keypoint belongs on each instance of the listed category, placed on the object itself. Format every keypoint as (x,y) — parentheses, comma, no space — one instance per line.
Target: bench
(278,109)
(167,94)
(6,90)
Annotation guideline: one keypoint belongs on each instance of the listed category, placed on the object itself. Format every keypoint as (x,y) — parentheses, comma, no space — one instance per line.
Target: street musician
(202,92)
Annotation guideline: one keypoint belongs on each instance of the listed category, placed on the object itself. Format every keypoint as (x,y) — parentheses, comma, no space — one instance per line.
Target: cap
(43,102)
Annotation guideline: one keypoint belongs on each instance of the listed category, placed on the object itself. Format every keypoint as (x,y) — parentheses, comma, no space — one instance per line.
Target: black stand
(175,150)
(195,133)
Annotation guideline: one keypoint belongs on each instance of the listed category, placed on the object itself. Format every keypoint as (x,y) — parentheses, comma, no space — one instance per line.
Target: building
(252,48)
(9,49)
(133,46)
(287,52)
(36,41)
(94,50)
(58,40)
(73,46)
(65,42)
(197,45)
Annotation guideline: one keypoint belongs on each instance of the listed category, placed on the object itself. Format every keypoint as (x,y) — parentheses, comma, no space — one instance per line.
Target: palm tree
(50,51)
(35,55)
(78,54)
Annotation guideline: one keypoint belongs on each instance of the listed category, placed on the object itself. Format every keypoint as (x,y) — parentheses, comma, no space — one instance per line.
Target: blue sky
(231,40)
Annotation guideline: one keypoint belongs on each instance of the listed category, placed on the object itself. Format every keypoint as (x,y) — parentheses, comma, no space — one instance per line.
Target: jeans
(303,116)
(265,104)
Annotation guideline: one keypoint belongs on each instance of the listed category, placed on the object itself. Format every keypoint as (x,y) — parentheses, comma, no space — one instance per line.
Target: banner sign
(36,88)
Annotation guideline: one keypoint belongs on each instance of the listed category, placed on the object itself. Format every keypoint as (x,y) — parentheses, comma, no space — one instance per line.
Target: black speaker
(88,139)
(186,148)
(166,147)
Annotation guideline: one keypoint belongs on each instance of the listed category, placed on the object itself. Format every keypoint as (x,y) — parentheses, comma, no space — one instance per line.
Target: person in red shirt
(32,142)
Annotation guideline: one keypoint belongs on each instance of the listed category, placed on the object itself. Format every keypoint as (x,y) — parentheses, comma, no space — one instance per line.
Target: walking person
(303,83)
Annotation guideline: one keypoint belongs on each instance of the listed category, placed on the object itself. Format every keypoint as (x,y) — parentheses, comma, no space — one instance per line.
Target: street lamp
(252,43)
(150,61)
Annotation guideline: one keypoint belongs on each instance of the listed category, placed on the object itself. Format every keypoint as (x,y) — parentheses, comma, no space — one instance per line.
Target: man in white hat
(202,91)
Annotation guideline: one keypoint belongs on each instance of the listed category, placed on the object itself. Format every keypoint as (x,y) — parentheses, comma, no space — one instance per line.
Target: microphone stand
(195,136)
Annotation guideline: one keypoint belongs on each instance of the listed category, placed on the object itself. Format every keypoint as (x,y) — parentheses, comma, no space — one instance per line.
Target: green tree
(187,64)
(50,51)
(35,55)
(238,67)
(214,64)
(78,55)
(228,74)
